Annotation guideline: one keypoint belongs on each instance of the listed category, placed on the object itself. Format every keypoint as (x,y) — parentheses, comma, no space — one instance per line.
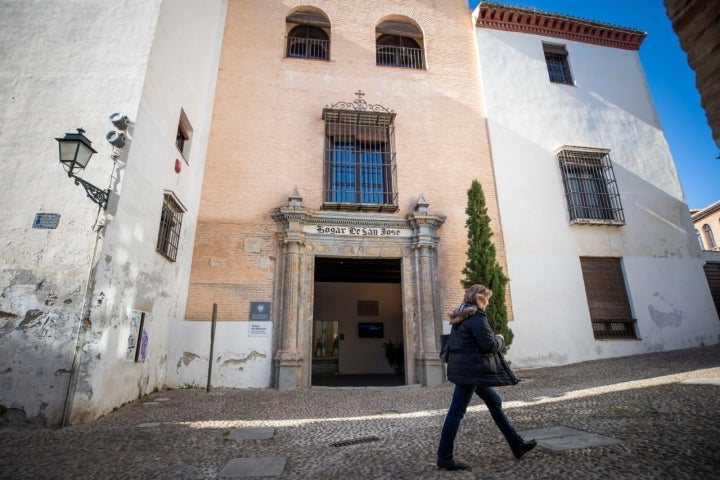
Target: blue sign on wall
(46,220)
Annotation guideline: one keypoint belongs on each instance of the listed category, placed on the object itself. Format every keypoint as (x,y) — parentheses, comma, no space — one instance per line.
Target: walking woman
(474,372)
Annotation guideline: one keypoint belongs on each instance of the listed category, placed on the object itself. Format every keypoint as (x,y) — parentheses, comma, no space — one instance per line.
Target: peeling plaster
(240,361)
(187,358)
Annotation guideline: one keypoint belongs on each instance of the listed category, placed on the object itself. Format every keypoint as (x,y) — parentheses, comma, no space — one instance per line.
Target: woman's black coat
(472,345)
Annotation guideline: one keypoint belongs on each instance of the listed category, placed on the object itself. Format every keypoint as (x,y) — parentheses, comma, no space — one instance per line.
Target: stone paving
(651,416)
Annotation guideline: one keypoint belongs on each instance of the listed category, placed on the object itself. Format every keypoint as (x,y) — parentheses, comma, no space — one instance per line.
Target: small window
(359,167)
(184,136)
(170,224)
(591,191)
(399,45)
(556,58)
(610,313)
(709,237)
(308,35)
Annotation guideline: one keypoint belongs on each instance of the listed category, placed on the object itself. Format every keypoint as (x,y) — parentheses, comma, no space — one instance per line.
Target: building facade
(707,226)
(345,140)
(291,192)
(600,251)
(89,294)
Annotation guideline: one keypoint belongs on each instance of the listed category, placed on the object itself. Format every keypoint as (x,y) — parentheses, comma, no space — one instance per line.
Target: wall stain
(30,317)
(665,319)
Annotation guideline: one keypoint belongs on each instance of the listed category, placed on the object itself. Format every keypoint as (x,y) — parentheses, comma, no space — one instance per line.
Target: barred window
(610,312)
(556,59)
(591,191)
(308,35)
(709,237)
(398,44)
(359,158)
(170,223)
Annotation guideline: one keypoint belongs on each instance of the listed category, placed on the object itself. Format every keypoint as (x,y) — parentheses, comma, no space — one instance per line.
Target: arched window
(697,232)
(399,44)
(308,35)
(709,238)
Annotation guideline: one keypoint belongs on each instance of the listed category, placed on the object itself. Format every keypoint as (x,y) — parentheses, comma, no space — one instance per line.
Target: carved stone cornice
(527,20)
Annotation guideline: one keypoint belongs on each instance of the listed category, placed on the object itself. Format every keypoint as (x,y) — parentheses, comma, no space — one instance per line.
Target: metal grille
(355,441)
(307,42)
(170,223)
(359,166)
(399,51)
(556,58)
(591,191)
(400,57)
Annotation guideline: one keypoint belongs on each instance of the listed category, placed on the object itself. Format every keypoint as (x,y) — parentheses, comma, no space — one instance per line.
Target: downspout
(84,326)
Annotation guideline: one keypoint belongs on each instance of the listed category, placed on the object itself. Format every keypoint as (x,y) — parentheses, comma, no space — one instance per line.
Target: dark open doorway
(357,311)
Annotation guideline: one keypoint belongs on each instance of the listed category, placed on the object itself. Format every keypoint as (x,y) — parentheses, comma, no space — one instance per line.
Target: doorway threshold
(358,380)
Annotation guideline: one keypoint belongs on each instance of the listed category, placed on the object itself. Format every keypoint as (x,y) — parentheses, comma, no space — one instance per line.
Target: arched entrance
(304,235)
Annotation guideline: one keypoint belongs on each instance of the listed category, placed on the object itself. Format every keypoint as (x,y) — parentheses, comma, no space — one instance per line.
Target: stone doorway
(306,235)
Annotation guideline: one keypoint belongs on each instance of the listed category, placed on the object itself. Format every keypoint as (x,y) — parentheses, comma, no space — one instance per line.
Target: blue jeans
(460,401)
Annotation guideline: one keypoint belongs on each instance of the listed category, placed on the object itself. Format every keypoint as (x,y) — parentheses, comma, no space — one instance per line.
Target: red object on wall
(178,166)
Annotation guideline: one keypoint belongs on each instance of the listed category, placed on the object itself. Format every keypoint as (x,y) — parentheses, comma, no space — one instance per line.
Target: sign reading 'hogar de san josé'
(362,231)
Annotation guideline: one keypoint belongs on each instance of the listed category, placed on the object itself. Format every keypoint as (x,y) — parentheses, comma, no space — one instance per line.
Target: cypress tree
(482,266)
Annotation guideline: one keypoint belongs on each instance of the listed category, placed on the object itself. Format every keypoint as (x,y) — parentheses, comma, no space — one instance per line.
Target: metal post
(212,343)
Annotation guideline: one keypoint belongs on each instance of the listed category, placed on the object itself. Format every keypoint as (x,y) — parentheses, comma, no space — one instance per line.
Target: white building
(601,253)
(71,291)
(94,308)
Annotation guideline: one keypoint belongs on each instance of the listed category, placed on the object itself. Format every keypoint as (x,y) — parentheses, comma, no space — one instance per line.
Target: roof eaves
(529,20)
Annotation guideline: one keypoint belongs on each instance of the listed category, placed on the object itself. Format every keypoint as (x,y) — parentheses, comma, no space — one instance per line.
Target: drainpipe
(82,330)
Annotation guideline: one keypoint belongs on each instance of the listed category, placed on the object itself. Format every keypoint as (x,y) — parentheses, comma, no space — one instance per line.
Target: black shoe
(524,448)
(451,464)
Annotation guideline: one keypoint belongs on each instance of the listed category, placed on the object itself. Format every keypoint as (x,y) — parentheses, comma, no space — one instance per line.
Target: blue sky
(671,81)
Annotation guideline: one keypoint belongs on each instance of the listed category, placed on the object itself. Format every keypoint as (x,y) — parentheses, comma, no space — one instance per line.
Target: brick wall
(267,137)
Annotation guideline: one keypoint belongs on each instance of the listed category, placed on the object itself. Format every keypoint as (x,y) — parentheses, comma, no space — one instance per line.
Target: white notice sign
(259,329)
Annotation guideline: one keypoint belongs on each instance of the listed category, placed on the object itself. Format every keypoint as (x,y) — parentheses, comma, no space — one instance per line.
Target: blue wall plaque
(46,220)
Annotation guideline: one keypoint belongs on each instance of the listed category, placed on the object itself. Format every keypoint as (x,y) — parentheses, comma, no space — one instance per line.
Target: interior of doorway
(357,312)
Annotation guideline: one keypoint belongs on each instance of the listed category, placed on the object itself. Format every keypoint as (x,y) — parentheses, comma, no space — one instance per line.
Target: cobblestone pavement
(666,428)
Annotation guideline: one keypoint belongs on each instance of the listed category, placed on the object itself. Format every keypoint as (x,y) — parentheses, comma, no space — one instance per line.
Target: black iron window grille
(397,51)
(591,191)
(308,42)
(359,160)
(556,59)
(170,224)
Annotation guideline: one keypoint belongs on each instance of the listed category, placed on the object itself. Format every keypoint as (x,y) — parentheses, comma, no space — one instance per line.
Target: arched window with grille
(709,237)
(399,44)
(308,35)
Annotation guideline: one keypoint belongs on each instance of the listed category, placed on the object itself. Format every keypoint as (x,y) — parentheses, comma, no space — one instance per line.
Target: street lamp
(75,153)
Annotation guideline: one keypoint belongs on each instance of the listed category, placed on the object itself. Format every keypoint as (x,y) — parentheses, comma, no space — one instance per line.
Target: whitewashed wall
(610,107)
(145,59)
(181,72)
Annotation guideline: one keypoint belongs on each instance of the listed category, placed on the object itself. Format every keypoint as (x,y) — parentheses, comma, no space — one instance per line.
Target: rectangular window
(170,224)
(591,191)
(360,171)
(556,59)
(607,298)
(183,138)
